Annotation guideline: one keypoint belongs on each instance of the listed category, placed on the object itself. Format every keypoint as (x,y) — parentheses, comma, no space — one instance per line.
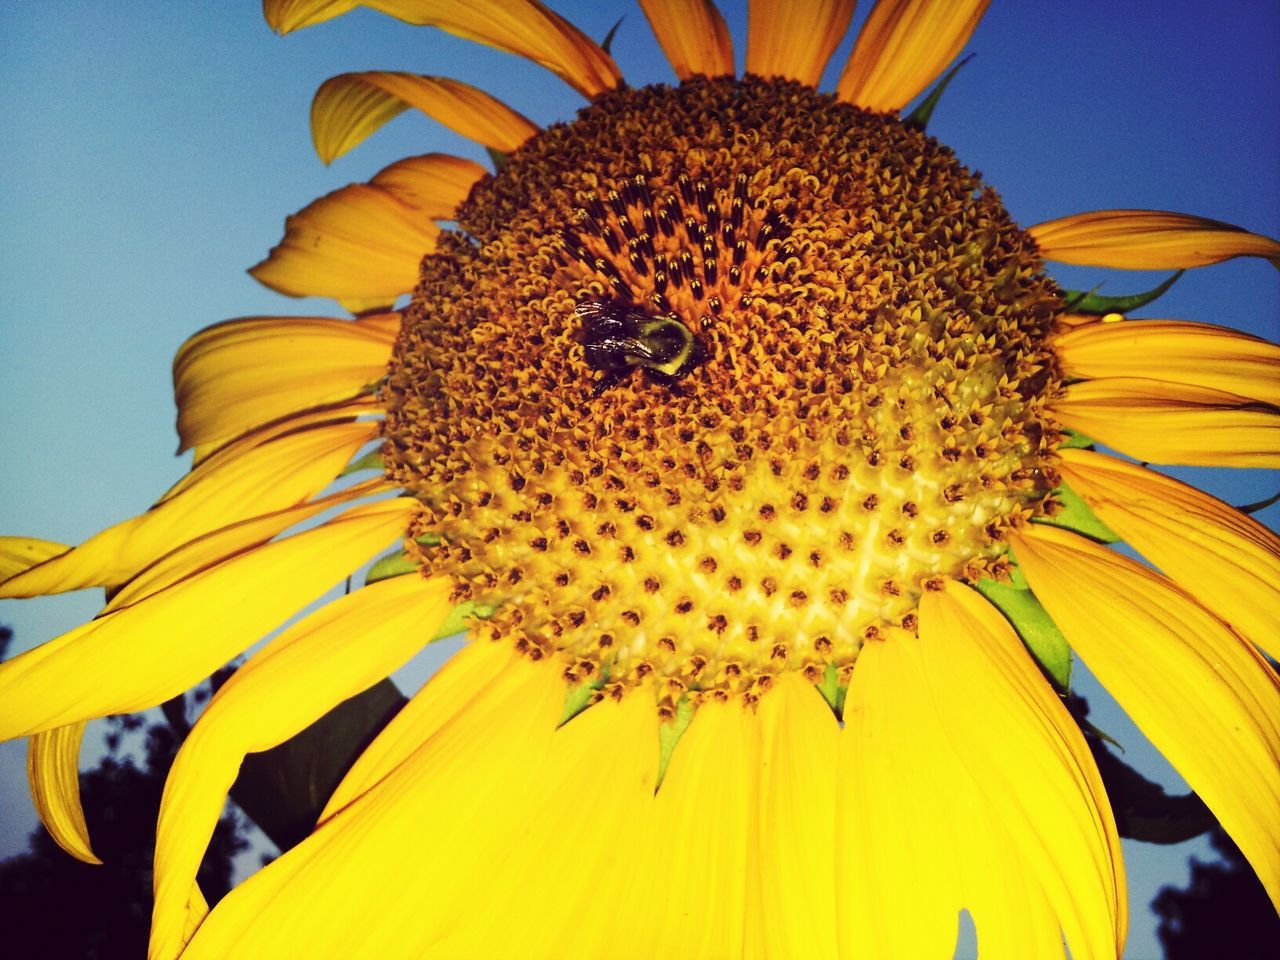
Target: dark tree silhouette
(57,908)
(1222,912)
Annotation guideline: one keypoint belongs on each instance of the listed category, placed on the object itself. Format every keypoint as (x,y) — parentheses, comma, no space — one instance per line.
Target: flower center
(713,381)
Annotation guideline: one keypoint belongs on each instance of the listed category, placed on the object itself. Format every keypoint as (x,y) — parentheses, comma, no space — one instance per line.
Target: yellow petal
(1172,422)
(551,887)
(285,16)
(333,654)
(694,892)
(896,885)
(1147,240)
(461,680)
(349,107)
(20,553)
(236,375)
(1029,768)
(215,456)
(693,35)
(359,241)
(1225,559)
(903,47)
(414,850)
(1205,698)
(1174,350)
(264,479)
(53,773)
(142,655)
(206,552)
(433,184)
(799,744)
(523,27)
(794,38)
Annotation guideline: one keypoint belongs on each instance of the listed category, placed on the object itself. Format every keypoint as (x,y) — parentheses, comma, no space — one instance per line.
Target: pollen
(820,387)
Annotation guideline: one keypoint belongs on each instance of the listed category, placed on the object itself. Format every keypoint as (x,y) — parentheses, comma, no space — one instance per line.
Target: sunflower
(744,430)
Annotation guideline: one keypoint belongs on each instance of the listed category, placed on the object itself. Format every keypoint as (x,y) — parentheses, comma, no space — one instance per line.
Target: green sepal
(578,698)
(607,42)
(1034,625)
(370,461)
(1076,441)
(428,540)
(831,688)
(1076,515)
(456,621)
(669,734)
(919,117)
(1089,301)
(498,158)
(393,564)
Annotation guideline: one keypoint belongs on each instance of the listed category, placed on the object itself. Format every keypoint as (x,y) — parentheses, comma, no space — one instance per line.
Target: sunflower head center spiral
(714,381)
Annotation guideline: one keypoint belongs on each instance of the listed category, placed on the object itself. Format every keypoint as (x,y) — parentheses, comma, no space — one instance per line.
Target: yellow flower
(734,414)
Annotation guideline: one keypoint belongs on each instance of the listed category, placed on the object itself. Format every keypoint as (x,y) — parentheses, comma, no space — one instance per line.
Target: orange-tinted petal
(142,655)
(1203,696)
(1225,559)
(53,773)
(349,107)
(1147,240)
(263,479)
(338,651)
(359,241)
(236,375)
(433,184)
(1172,422)
(523,27)
(903,47)
(794,38)
(693,35)
(1174,350)
(285,16)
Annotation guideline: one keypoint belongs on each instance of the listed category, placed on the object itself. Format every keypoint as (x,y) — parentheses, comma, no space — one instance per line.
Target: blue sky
(153,148)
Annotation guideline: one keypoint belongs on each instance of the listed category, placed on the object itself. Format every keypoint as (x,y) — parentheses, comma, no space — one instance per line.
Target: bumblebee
(618,336)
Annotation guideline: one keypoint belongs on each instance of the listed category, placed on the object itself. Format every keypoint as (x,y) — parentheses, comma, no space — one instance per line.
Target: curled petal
(693,35)
(903,47)
(349,107)
(433,184)
(1147,240)
(357,242)
(1203,696)
(236,375)
(1173,422)
(523,27)
(794,38)
(53,773)
(285,16)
